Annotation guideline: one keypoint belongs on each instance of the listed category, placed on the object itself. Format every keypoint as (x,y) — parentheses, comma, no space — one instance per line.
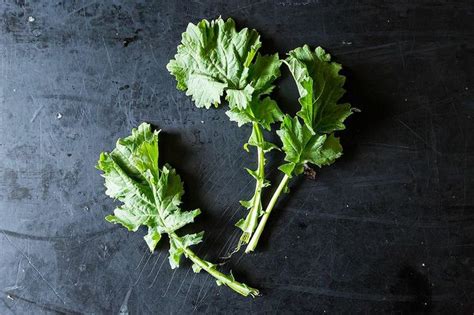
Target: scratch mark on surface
(55,238)
(205,284)
(352,295)
(34,267)
(401,55)
(53,142)
(418,136)
(154,265)
(124,307)
(143,268)
(36,113)
(404,223)
(375,47)
(157,273)
(7,306)
(231,241)
(153,55)
(390,146)
(140,262)
(208,288)
(48,307)
(108,55)
(251,4)
(182,282)
(82,8)
(239,259)
(187,292)
(169,284)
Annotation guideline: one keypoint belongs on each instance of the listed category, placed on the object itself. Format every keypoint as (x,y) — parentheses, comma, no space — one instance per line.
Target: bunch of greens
(151,196)
(311,141)
(213,59)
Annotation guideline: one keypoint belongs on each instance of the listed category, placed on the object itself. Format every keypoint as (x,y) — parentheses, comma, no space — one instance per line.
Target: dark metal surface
(388,228)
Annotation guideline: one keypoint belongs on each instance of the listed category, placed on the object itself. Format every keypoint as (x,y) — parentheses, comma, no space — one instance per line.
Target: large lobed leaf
(301,146)
(151,196)
(214,59)
(320,87)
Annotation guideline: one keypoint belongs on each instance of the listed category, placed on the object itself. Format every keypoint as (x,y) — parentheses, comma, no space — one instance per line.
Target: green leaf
(177,248)
(214,59)
(192,239)
(204,90)
(152,238)
(246,225)
(264,72)
(320,87)
(264,112)
(256,139)
(252,173)
(287,168)
(208,265)
(240,99)
(217,51)
(299,144)
(196,268)
(134,154)
(329,152)
(246,203)
(151,196)
(130,218)
(176,251)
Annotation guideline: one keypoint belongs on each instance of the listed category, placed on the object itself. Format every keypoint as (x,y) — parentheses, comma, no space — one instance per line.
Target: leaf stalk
(263,221)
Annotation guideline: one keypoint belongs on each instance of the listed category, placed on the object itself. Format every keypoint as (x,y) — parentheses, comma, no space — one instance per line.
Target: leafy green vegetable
(311,142)
(320,87)
(214,59)
(301,147)
(151,196)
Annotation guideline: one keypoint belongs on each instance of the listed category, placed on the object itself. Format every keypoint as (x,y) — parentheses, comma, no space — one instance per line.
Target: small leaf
(264,112)
(131,218)
(252,173)
(264,72)
(196,268)
(175,253)
(287,169)
(246,203)
(240,99)
(152,238)
(192,239)
(300,146)
(329,152)
(176,220)
(204,90)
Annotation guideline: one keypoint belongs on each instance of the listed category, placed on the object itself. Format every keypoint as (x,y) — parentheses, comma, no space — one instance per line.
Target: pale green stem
(227,280)
(210,268)
(263,220)
(254,212)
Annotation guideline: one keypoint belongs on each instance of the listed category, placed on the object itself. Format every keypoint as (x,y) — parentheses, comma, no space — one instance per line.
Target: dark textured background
(388,228)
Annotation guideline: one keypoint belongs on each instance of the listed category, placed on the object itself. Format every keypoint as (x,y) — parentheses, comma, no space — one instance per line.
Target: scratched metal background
(388,228)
